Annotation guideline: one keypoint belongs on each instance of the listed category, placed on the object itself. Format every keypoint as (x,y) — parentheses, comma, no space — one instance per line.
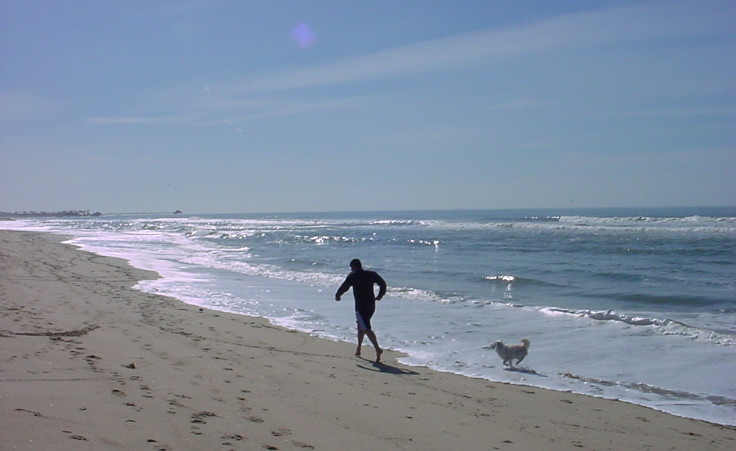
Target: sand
(88,363)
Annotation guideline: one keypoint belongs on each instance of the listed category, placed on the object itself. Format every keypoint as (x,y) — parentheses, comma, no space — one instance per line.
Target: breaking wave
(660,325)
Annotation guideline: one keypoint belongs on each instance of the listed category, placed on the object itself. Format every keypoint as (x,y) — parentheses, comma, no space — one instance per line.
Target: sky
(234,106)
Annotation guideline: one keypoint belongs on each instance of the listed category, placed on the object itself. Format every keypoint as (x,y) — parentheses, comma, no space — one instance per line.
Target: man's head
(355,264)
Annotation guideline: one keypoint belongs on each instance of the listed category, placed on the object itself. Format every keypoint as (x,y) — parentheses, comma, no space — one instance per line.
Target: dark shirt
(362,283)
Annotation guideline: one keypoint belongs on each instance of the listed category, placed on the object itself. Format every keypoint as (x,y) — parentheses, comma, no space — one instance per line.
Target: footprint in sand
(75,436)
(280,432)
(199,417)
(233,437)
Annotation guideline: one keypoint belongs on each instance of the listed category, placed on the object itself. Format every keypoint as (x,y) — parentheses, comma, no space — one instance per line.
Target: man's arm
(381,286)
(343,288)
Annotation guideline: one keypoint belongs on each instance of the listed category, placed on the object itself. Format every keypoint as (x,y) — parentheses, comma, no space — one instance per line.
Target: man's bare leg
(361,334)
(372,337)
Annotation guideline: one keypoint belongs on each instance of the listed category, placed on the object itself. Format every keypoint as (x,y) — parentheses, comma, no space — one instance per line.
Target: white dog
(509,353)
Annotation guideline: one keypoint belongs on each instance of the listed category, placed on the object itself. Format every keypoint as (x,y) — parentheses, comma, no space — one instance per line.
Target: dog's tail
(525,342)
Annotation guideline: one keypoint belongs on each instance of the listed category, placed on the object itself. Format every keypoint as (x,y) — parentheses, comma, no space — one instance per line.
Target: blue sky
(270,106)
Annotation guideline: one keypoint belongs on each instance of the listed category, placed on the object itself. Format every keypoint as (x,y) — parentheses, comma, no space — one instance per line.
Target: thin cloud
(244,101)
(139,120)
(713,111)
(573,31)
(307,107)
(230,112)
(186,7)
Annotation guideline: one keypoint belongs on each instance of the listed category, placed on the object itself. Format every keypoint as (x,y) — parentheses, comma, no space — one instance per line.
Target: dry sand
(90,364)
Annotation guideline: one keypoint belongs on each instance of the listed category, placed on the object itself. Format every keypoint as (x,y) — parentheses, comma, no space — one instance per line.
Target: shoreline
(90,363)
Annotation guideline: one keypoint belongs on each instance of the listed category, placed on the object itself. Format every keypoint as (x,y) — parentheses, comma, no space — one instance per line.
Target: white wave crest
(660,325)
(501,278)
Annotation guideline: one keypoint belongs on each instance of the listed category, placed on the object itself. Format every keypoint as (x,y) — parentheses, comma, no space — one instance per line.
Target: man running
(362,282)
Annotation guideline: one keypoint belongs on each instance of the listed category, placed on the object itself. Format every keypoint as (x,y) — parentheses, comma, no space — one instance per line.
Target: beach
(89,363)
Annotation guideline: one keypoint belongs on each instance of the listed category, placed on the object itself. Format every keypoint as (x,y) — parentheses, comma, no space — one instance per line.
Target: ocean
(631,304)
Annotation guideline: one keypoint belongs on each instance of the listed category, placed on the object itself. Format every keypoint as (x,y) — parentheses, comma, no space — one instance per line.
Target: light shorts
(364,320)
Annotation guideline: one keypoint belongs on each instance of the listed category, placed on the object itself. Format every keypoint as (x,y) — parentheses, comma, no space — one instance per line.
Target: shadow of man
(381,367)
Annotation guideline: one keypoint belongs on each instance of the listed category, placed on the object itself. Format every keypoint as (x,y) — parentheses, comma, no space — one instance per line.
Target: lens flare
(303,36)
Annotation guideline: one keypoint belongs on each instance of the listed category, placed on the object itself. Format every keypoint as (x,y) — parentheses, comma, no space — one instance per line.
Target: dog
(509,353)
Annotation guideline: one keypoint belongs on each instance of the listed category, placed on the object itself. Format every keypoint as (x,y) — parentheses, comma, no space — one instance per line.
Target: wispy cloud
(294,109)
(698,111)
(272,95)
(138,120)
(186,7)
(567,32)
(215,104)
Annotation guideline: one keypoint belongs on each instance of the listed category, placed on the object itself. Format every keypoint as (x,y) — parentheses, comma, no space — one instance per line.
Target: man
(362,282)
